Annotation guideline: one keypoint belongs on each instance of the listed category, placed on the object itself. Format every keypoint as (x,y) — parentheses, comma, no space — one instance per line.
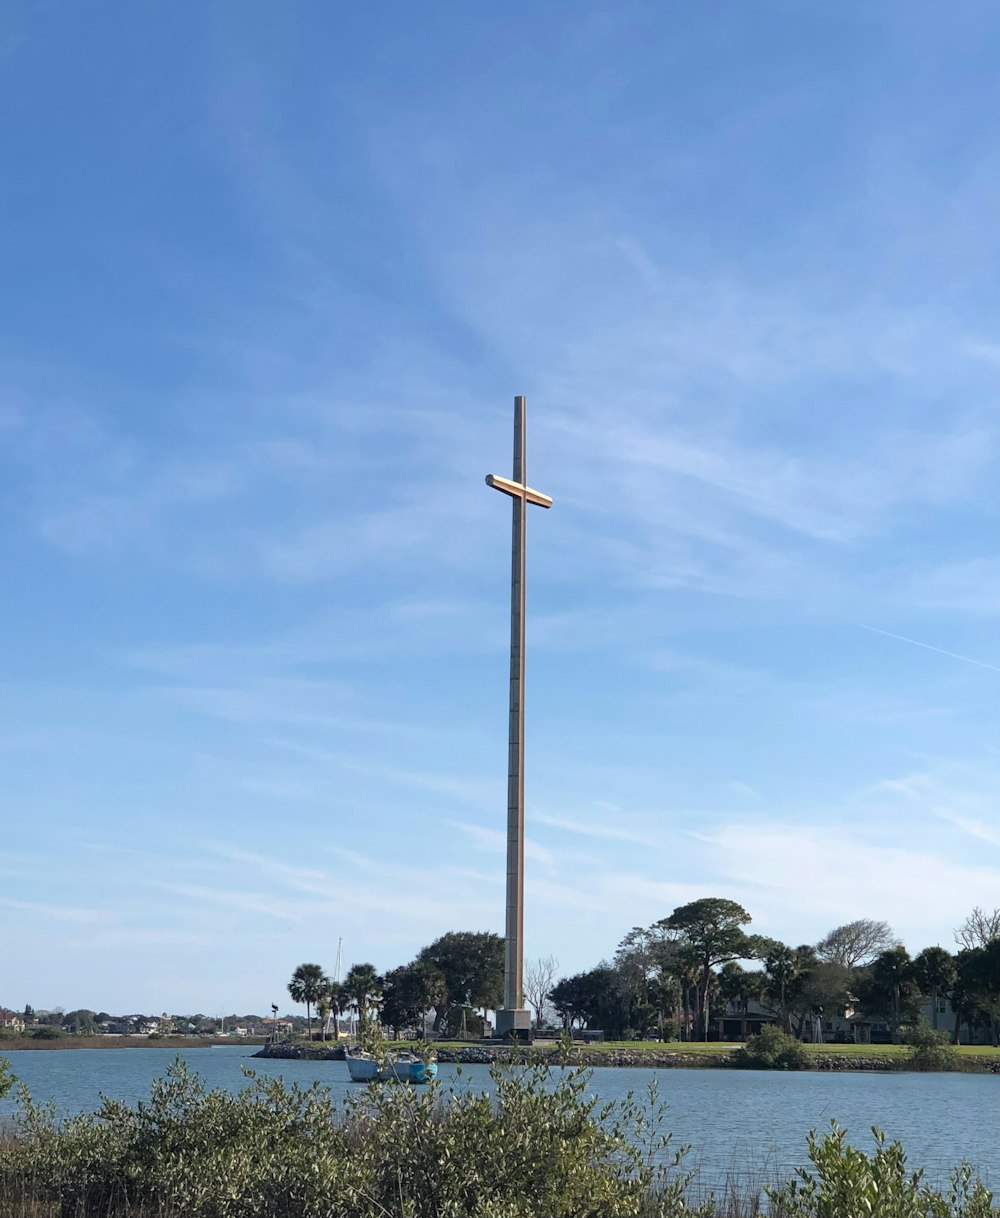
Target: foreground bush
(7,1079)
(772,1049)
(843,1182)
(930,1049)
(537,1148)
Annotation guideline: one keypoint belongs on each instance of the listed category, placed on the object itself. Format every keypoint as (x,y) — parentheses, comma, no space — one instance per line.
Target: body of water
(751,1125)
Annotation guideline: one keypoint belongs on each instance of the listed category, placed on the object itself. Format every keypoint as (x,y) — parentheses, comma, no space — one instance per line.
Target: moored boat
(398,1067)
(412,1069)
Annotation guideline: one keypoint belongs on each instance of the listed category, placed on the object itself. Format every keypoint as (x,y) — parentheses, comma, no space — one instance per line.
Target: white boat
(398,1067)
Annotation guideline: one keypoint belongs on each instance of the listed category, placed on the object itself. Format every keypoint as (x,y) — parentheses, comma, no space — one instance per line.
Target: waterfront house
(848,1025)
(10,1021)
(738,1024)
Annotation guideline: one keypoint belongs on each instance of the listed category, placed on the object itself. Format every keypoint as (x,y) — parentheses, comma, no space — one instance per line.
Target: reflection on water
(747,1124)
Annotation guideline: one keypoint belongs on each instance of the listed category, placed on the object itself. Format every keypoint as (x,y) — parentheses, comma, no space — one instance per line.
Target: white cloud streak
(954,655)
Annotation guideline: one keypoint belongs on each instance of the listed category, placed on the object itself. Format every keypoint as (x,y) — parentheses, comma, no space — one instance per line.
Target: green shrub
(844,1181)
(47,1032)
(538,1148)
(930,1049)
(7,1079)
(772,1049)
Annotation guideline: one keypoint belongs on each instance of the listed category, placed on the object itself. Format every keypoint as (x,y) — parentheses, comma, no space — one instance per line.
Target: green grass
(661,1046)
(895,1050)
(832,1050)
(712,1047)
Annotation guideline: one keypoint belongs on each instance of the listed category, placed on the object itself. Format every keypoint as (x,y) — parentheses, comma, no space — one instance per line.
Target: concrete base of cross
(513,1024)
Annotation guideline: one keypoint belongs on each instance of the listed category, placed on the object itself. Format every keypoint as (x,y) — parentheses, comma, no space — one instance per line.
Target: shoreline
(644,1059)
(19,1044)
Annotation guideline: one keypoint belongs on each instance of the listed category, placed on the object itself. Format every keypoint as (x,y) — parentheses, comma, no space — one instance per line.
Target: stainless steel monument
(514,1018)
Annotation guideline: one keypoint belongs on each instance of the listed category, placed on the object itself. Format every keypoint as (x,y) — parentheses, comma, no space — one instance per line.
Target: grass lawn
(896,1050)
(603,1046)
(661,1046)
(716,1046)
(711,1048)
(639,1047)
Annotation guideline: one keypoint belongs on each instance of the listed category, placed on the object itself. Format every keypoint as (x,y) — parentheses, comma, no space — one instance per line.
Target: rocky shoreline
(645,1060)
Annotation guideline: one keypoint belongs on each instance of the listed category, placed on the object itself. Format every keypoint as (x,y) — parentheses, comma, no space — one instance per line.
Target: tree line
(677,976)
(456,975)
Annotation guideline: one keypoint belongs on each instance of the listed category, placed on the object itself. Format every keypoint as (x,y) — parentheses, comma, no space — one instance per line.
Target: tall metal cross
(514,1018)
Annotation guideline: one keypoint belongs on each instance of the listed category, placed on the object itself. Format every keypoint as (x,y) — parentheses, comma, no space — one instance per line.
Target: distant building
(11,1021)
(846,1026)
(738,1023)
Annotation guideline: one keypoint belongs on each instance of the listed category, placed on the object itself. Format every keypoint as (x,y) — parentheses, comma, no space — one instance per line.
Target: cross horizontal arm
(518,490)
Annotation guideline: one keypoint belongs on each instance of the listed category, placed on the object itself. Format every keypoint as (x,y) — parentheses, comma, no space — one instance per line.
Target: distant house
(11,1021)
(944,1019)
(739,1022)
(853,1025)
(115,1027)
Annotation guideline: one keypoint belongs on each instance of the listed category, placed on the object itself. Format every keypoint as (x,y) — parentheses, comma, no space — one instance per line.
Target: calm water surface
(745,1123)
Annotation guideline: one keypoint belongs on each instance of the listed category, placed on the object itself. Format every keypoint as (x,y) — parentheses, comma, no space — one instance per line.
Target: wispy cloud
(250,902)
(821,873)
(954,655)
(972,586)
(610,828)
(975,828)
(307,879)
(494,841)
(477,792)
(105,939)
(59,913)
(961,794)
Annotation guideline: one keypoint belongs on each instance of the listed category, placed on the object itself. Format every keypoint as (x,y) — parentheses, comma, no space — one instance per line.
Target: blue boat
(397,1068)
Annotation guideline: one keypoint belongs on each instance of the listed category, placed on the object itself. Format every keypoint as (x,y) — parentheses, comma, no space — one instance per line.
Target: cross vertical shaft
(513,981)
(513,1019)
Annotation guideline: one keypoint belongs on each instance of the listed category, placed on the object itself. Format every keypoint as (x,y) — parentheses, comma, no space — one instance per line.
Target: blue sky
(273,275)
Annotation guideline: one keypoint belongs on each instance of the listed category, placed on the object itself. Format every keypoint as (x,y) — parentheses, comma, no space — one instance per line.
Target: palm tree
(890,973)
(340,1000)
(307,985)
(323,1011)
(364,987)
(435,991)
(781,968)
(736,987)
(688,974)
(934,972)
